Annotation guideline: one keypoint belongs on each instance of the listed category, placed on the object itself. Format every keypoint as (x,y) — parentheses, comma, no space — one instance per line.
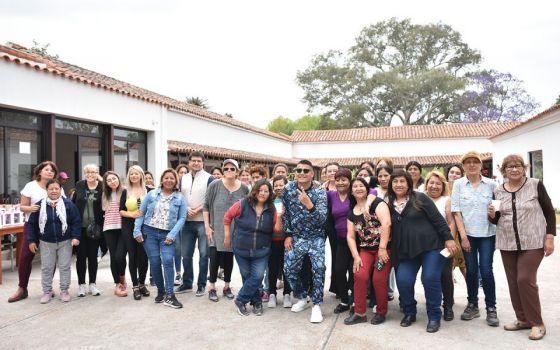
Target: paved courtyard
(108,322)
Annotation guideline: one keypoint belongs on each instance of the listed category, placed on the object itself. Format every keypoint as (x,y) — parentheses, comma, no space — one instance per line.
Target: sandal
(144,291)
(136,293)
(517,325)
(537,332)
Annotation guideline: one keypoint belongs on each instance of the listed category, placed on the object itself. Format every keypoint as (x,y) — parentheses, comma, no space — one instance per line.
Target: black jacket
(80,200)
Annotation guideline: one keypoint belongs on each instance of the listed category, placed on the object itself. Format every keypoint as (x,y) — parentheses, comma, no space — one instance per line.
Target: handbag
(93,231)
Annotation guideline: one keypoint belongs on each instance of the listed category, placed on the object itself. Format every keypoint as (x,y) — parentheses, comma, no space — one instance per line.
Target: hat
(231,161)
(63,175)
(471,154)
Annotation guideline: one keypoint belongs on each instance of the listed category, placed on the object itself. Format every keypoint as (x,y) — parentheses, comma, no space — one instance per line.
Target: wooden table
(9,230)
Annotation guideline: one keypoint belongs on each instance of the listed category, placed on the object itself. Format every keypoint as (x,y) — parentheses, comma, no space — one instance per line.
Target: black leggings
(117,252)
(275,263)
(137,257)
(87,258)
(447,286)
(217,259)
(343,273)
(333,242)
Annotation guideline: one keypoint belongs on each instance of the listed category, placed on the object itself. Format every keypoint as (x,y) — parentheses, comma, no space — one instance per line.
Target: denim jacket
(177,213)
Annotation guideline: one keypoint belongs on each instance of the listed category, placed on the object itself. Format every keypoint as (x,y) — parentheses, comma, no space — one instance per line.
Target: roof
(534,118)
(20,55)
(397,161)
(414,132)
(185,147)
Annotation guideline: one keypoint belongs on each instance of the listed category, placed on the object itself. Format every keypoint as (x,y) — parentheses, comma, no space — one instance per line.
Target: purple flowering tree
(492,96)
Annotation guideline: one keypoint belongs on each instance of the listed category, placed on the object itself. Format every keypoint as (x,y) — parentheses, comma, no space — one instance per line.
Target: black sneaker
(171,301)
(241,308)
(492,317)
(258,309)
(200,291)
(144,291)
(448,314)
(377,319)
(159,298)
(471,311)
(183,289)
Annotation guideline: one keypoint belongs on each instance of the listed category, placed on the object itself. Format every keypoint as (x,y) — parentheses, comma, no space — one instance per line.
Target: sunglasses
(300,170)
(229,169)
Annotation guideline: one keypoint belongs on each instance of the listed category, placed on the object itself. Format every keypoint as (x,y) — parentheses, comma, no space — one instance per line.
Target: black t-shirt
(368,233)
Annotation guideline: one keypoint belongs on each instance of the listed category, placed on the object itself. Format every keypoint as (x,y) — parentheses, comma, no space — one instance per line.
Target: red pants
(380,282)
(25,260)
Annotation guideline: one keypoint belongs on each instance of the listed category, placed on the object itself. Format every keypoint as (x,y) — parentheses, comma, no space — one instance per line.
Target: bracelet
(384,248)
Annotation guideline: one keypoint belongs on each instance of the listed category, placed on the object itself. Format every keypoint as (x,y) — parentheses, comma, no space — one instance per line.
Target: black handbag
(93,231)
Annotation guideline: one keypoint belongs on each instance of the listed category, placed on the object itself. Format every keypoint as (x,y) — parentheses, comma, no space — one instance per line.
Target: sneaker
(471,311)
(228,294)
(120,291)
(241,308)
(144,291)
(65,296)
(287,302)
(258,309)
(183,289)
(316,314)
(213,295)
(272,301)
(82,290)
(265,297)
(136,293)
(492,317)
(93,290)
(159,298)
(300,305)
(377,319)
(171,301)
(46,297)
(200,291)
(178,279)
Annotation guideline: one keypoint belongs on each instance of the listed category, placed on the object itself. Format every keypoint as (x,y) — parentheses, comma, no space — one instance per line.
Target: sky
(243,56)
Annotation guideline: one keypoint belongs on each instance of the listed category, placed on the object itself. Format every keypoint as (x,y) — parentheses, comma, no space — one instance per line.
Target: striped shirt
(112,215)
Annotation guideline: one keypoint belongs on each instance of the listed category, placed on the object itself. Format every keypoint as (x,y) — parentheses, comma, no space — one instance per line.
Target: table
(10,230)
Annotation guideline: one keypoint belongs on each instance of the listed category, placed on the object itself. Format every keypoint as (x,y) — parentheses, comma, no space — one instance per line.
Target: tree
(307,122)
(281,125)
(197,101)
(43,50)
(557,100)
(287,126)
(395,69)
(494,96)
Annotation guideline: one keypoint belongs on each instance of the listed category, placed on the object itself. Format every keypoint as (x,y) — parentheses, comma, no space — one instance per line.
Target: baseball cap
(63,175)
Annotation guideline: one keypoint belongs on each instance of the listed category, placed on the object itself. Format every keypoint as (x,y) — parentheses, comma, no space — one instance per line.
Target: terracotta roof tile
(398,161)
(185,147)
(23,56)
(532,119)
(409,132)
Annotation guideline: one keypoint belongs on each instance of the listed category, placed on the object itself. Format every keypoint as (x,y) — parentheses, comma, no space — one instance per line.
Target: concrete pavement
(108,322)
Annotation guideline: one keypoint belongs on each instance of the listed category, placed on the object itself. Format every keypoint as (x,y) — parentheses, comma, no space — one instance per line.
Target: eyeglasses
(301,170)
(229,169)
(512,167)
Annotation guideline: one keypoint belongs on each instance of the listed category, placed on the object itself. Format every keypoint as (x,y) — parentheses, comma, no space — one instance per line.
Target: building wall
(538,135)
(186,128)
(391,148)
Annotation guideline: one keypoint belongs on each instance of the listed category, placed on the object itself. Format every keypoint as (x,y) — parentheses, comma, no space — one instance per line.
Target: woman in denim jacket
(164,212)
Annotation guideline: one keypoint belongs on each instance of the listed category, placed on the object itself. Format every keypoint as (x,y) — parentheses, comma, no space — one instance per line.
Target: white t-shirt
(33,191)
(440,205)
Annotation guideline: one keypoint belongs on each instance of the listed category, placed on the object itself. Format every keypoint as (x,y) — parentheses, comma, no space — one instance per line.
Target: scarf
(60,212)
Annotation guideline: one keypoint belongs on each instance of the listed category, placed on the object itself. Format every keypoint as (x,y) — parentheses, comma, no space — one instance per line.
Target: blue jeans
(177,253)
(481,257)
(252,264)
(193,231)
(160,253)
(432,265)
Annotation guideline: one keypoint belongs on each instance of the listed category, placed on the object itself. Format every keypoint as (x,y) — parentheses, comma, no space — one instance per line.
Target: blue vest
(251,232)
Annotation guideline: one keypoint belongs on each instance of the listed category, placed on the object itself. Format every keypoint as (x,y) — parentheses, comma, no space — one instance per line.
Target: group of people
(383,225)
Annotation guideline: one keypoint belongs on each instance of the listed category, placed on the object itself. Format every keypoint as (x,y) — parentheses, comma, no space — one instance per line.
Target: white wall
(542,134)
(186,128)
(391,148)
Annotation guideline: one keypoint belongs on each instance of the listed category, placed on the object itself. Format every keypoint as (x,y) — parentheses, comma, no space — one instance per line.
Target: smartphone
(379,264)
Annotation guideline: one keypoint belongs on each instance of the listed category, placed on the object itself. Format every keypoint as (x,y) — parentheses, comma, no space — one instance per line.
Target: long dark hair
(252,196)
(107,191)
(353,201)
(410,192)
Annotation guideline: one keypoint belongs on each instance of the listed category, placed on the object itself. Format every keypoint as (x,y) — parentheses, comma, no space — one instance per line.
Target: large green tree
(287,126)
(396,69)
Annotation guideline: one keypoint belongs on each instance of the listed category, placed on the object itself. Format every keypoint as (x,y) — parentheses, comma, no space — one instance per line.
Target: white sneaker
(82,290)
(300,305)
(93,290)
(272,301)
(316,314)
(287,301)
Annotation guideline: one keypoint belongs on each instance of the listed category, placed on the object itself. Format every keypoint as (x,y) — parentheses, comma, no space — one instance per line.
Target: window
(129,149)
(536,162)
(77,127)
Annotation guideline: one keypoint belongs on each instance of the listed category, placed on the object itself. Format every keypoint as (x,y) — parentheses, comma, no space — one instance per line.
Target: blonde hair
(139,169)
(441,177)
(91,167)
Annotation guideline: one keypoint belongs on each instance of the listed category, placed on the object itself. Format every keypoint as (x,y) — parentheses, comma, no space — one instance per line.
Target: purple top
(339,211)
